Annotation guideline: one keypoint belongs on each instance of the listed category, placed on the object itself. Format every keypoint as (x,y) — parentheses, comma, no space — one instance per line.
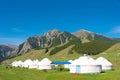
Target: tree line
(91,48)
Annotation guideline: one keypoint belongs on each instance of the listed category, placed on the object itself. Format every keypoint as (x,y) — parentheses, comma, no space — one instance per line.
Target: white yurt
(106,65)
(67,65)
(85,64)
(28,64)
(36,63)
(14,64)
(45,64)
(19,63)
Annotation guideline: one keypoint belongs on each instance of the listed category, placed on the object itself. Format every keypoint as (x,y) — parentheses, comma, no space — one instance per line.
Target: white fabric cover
(106,65)
(44,64)
(86,65)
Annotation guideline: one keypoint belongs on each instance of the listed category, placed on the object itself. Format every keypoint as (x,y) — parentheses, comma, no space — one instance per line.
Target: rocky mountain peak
(83,34)
(52,33)
(51,38)
(24,47)
(84,31)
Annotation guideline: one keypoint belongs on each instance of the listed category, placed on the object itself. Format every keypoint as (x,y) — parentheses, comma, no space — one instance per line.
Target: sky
(20,19)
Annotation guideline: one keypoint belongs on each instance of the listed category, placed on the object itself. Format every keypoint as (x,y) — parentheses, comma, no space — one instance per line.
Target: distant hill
(7,50)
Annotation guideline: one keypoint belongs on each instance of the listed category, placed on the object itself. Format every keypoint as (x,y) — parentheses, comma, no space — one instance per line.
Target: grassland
(112,54)
(32,74)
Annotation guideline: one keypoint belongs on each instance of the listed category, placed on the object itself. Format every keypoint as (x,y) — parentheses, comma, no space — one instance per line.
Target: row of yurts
(84,64)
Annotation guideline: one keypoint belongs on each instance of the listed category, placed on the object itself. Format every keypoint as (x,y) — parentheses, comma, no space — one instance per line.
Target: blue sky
(20,19)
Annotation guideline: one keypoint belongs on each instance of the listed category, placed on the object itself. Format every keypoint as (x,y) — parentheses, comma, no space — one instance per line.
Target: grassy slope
(63,55)
(33,54)
(40,54)
(115,47)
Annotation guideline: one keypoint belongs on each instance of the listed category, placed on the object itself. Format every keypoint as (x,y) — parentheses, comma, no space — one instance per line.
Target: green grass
(33,74)
(115,47)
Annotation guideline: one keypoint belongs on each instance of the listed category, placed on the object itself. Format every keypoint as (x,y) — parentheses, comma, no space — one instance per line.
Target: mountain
(7,50)
(55,41)
(11,46)
(50,39)
(54,38)
(84,34)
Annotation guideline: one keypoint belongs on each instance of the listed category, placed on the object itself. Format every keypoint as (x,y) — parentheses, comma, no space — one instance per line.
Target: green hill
(40,54)
(115,47)
(92,48)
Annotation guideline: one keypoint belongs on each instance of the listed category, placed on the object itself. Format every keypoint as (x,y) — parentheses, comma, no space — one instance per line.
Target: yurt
(45,64)
(19,63)
(67,65)
(35,63)
(106,65)
(85,64)
(28,64)
(14,64)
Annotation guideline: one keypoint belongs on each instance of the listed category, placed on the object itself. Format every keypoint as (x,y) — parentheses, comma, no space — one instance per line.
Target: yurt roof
(60,62)
(28,61)
(84,60)
(14,62)
(44,61)
(103,61)
(19,62)
(36,61)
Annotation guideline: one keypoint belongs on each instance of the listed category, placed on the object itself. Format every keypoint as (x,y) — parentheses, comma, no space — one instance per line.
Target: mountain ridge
(54,38)
(84,34)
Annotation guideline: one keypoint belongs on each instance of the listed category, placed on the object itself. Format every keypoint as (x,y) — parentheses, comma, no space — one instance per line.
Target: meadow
(33,74)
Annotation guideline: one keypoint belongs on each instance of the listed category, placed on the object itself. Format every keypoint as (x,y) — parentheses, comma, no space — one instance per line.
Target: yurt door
(78,69)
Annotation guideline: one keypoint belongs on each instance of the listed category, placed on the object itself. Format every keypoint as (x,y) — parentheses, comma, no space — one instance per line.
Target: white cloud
(17,29)
(115,30)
